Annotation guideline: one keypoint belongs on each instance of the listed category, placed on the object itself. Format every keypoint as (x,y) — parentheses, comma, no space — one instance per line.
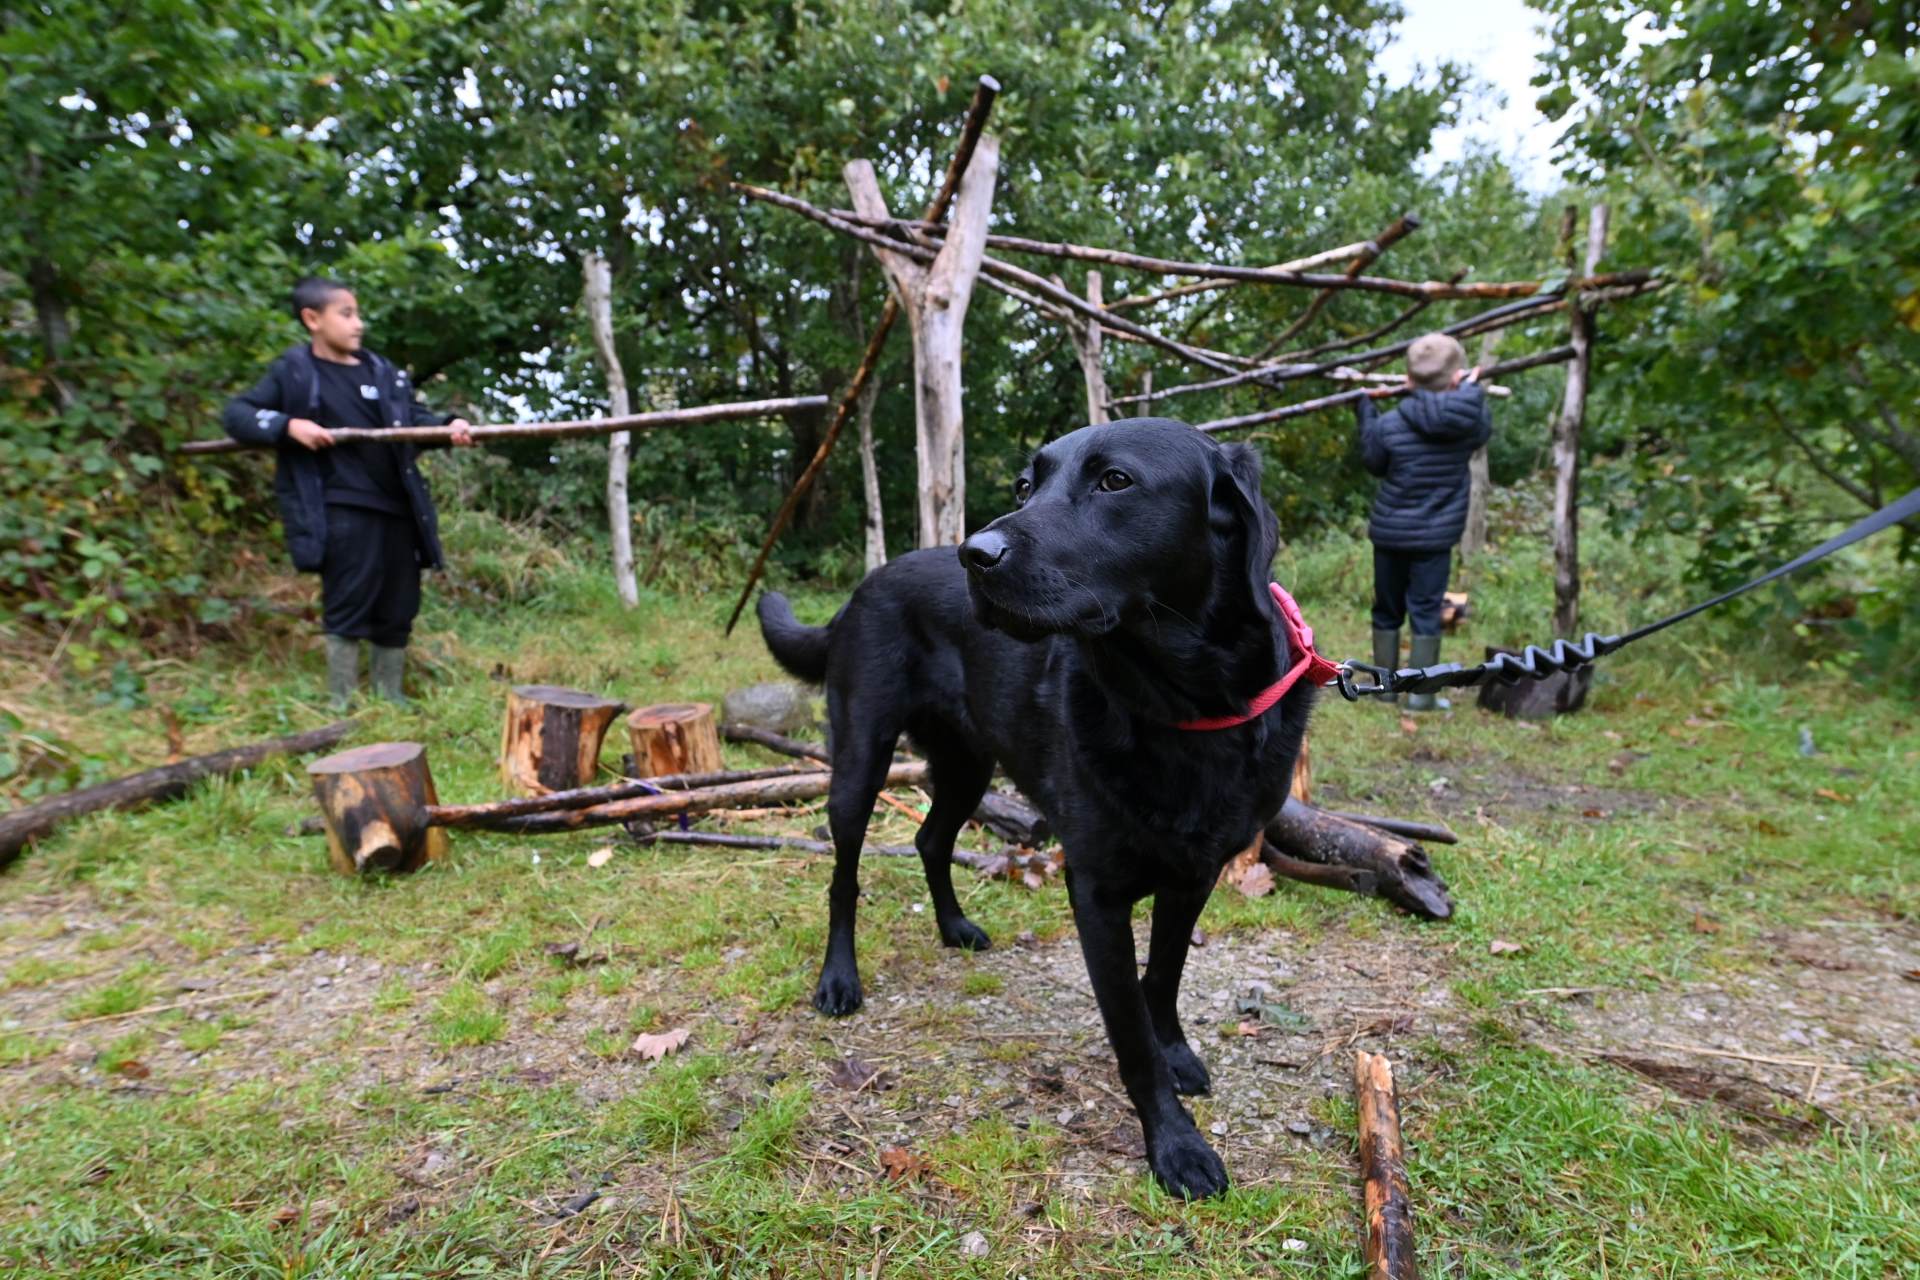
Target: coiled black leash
(1536,663)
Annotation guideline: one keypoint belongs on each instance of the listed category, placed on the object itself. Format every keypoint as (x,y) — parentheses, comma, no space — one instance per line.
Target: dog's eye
(1022,489)
(1112,481)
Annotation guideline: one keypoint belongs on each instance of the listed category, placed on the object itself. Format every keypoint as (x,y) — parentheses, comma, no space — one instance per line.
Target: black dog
(1126,596)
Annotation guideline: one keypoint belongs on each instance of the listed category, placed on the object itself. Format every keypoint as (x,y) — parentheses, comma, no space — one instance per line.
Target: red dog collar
(1299,640)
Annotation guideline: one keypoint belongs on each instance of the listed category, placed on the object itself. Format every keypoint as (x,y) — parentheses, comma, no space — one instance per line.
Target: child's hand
(1473,374)
(1376,393)
(462,437)
(309,433)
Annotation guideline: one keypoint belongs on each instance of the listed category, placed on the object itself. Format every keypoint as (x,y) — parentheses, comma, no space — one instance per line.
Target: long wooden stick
(1383,1167)
(551,430)
(1325,258)
(1555,356)
(1371,335)
(478,815)
(19,826)
(783,790)
(774,741)
(1436,289)
(1400,228)
(984,94)
(728,840)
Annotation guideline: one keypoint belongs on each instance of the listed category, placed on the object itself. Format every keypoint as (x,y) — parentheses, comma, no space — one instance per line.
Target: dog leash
(1535,663)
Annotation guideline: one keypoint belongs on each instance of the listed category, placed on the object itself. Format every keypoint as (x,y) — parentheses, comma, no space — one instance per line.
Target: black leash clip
(1382,686)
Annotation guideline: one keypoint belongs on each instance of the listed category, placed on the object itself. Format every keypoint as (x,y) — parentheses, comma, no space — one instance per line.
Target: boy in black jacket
(358,513)
(1420,449)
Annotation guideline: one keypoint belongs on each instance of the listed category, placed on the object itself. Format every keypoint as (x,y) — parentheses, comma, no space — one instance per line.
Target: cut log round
(552,737)
(677,737)
(374,800)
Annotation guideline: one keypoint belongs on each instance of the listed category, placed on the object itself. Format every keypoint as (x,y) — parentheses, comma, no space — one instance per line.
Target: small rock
(779,708)
(1026,938)
(1292,1245)
(1218,1128)
(323,981)
(974,1245)
(1299,1128)
(1064,1118)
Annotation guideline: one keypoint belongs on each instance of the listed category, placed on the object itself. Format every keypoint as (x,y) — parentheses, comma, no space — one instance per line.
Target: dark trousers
(1409,583)
(370,580)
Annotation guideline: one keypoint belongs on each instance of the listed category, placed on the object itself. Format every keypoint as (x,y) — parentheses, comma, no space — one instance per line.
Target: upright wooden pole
(1086,344)
(1566,444)
(1473,539)
(876,523)
(599,300)
(935,297)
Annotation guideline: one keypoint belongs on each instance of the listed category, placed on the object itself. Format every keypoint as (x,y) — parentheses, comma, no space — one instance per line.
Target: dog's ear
(1237,498)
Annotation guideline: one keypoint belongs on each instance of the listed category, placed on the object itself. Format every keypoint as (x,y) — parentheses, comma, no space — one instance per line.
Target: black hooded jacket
(291,389)
(1420,450)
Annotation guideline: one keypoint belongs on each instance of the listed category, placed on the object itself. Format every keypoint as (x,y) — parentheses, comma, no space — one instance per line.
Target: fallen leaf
(286,1215)
(1703,923)
(1125,1140)
(1828,793)
(1830,963)
(1767,828)
(1257,882)
(974,1245)
(852,1073)
(1501,947)
(1032,880)
(133,1069)
(902,1165)
(1409,725)
(600,857)
(1247,1030)
(1912,975)
(1593,813)
(655,1045)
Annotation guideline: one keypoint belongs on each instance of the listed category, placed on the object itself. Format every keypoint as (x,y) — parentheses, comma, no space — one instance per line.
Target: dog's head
(1114,521)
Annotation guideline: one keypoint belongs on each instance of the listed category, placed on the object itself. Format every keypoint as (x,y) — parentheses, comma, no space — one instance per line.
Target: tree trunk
(870,477)
(1086,344)
(677,737)
(552,736)
(599,298)
(1473,539)
(935,297)
(1566,445)
(1383,1170)
(374,801)
(20,826)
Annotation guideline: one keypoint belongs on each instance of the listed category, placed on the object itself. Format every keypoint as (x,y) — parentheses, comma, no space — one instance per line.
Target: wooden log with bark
(781,790)
(597,275)
(373,801)
(772,741)
(1305,843)
(1566,444)
(1388,1242)
(567,430)
(20,826)
(551,737)
(479,815)
(675,737)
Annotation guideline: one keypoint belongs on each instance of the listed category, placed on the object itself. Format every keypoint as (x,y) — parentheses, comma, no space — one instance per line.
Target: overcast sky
(1497,39)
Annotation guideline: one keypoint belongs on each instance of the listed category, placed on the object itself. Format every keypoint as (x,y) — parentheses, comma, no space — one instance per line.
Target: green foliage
(1768,162)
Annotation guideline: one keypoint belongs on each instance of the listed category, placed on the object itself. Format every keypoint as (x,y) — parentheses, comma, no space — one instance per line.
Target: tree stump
(552,737)
(675,737)
(373,800)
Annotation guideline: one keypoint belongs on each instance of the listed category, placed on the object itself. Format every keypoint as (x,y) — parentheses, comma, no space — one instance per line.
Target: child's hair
(1433,359)
(313,293)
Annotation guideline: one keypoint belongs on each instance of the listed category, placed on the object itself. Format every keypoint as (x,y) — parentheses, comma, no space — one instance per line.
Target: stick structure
(1383,1166)
(1555,356)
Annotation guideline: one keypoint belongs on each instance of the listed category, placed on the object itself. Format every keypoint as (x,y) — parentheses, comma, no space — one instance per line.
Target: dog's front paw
(962,932)
(1186,1165)
(1190,1076)
(838,993)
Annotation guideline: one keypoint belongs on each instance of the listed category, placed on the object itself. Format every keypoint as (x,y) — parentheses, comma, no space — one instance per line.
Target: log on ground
(20,826)
(1383,1169)
(804,786)
(374,801)
(551,738)
(1384,865)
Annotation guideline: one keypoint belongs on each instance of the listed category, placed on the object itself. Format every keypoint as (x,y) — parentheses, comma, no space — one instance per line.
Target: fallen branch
(1555,356)
(1383,1170)
(774,741)
(984,94)
(802,786)
(549,430)
(20,826)
(1385,865)
(1400,827)
(479,815)
(727,840)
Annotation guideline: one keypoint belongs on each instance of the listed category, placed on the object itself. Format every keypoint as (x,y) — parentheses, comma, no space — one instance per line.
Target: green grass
(733,1156)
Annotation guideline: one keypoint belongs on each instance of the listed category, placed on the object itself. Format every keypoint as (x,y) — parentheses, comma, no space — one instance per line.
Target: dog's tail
(801,649)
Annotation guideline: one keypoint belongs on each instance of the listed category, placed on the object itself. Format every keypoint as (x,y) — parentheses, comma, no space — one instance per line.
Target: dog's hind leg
(960,778)
(1175,911)
(861,757)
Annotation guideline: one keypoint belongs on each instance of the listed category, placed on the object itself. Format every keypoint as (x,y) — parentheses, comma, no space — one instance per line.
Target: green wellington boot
(387,668)
(343,671)
(1386,653)
(1426,653)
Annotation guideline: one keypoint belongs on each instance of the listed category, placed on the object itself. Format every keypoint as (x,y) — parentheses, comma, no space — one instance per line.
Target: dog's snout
(984,550)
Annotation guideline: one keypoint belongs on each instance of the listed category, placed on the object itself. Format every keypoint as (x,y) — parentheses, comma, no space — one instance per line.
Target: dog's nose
(983,550)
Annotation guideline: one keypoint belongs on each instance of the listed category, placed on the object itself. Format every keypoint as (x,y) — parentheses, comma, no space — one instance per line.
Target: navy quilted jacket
(1420,451)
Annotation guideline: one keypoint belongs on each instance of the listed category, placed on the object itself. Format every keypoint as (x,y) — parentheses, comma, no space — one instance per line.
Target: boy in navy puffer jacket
(1420,450)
